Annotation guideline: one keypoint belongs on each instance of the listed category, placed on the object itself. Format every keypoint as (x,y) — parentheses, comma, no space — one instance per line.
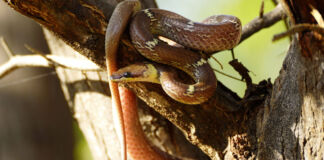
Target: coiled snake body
(214,34)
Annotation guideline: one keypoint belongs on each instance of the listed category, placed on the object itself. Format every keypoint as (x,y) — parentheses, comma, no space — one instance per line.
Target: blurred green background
(258,53)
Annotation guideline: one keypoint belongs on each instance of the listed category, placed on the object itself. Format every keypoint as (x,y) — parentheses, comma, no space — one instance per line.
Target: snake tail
(117,25)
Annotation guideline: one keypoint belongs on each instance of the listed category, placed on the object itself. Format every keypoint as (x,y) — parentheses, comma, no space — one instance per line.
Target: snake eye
(127,75)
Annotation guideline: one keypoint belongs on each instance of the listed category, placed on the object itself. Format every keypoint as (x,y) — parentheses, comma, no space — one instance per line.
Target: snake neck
(196,93)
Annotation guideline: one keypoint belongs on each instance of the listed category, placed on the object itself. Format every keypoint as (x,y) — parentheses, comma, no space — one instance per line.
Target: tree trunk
(280,122)
(292,122)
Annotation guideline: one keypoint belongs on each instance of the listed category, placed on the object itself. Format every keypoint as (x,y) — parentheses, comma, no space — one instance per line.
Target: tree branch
(300,28)
(46,61)
(259,23)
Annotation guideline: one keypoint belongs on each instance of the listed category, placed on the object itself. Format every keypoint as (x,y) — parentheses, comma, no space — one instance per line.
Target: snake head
(139,72)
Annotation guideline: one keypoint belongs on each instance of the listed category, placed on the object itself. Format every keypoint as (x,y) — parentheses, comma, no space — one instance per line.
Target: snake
(194,39)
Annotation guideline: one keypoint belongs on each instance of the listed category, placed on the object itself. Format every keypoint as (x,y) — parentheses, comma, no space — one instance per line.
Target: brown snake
(214,34)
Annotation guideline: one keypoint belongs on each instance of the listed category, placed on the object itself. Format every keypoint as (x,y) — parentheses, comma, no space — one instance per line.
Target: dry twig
(40,60)
(299,28)
(259,23)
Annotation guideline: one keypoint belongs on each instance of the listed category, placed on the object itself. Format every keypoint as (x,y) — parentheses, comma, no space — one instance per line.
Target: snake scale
(213,34)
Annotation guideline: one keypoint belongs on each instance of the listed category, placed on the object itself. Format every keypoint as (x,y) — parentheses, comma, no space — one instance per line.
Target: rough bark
(292,122)
(287,125)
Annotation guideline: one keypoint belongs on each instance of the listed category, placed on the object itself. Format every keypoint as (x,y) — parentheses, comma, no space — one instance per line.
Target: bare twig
(259,23)
(24,80)
(299,28)
(232,52)
(317,15)
(23,61)
(40,60)
(217,61)
(32,50)
(48,61)
(227,75)
(5,47)
(261,9)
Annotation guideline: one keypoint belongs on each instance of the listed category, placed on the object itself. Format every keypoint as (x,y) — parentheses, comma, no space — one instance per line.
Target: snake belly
(214,34)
